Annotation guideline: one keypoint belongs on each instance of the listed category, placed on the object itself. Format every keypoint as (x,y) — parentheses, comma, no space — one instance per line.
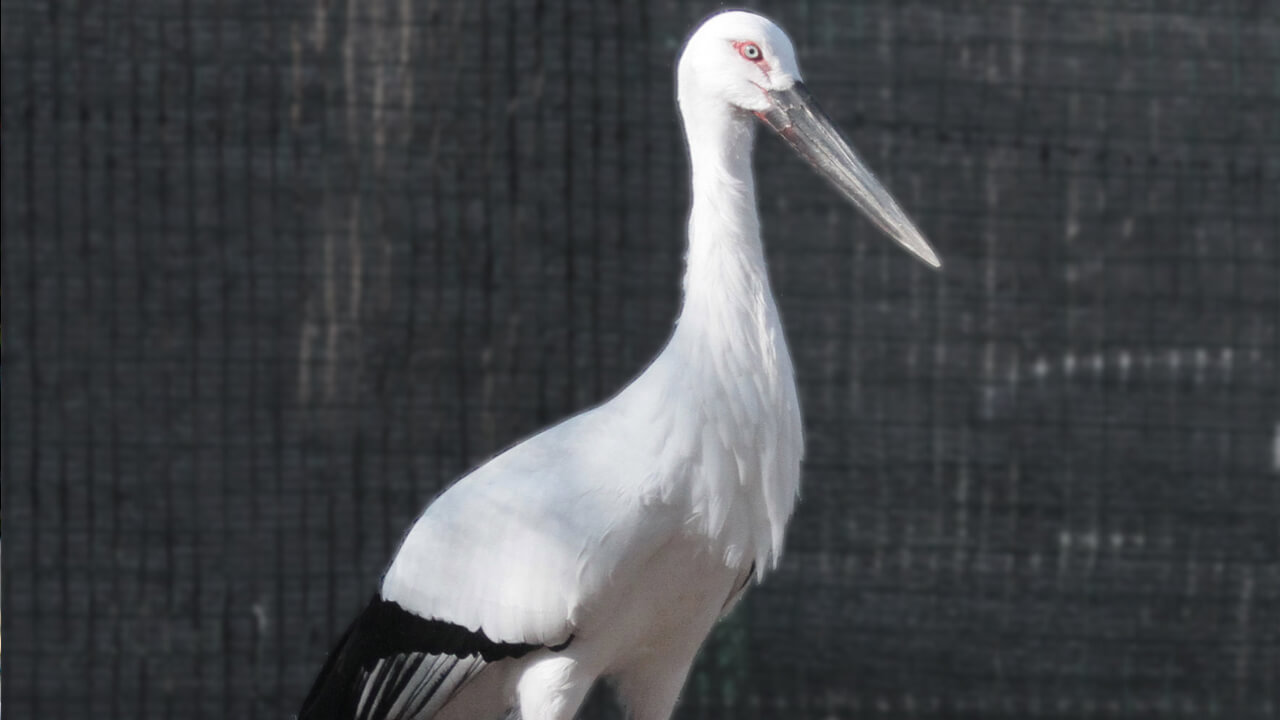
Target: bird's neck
(724,386)
(725,281)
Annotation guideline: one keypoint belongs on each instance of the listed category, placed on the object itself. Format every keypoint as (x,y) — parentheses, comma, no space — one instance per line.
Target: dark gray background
(275,272)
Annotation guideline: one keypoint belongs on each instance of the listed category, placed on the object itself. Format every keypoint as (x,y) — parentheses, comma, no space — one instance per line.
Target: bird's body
(609,544)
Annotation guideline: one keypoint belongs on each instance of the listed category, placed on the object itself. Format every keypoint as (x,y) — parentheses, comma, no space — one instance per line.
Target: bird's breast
(722,408)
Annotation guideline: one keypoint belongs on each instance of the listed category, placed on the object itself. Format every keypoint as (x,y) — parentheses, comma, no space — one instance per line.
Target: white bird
(608,545)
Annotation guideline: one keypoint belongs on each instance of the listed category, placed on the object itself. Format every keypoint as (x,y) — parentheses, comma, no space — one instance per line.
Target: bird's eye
(750,51)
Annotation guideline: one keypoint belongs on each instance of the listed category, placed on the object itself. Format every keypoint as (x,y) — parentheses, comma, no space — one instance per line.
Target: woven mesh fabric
(276,272)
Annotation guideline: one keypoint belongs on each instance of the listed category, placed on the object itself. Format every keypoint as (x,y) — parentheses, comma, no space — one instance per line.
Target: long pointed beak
(797,118)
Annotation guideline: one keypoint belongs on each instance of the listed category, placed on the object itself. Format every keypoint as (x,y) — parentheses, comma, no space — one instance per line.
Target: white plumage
(609,544)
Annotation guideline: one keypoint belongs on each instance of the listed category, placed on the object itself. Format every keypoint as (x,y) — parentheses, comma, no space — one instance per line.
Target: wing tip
(386,630)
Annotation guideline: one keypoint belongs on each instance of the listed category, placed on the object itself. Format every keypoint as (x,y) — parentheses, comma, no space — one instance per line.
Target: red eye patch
(751,52)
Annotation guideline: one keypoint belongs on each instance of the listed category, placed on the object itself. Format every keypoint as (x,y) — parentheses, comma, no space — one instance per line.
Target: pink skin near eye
(752,53)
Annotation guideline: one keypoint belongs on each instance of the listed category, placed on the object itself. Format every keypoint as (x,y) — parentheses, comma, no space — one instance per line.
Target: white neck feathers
(726,380)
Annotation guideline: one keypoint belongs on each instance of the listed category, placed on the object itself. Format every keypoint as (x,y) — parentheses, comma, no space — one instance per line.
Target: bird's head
(744,64)
(737,57)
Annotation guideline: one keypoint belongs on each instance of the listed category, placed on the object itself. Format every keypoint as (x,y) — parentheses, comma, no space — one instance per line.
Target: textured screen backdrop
(276,272)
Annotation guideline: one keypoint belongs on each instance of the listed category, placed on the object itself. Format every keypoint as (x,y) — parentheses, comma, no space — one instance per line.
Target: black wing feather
(394,665)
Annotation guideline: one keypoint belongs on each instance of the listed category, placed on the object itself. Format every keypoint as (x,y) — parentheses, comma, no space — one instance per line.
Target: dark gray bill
(797,118)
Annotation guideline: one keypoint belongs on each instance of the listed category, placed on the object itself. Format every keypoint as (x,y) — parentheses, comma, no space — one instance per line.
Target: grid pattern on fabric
(276,272)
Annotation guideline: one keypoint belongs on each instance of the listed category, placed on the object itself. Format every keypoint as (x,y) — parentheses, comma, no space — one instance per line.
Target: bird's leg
(553,688)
